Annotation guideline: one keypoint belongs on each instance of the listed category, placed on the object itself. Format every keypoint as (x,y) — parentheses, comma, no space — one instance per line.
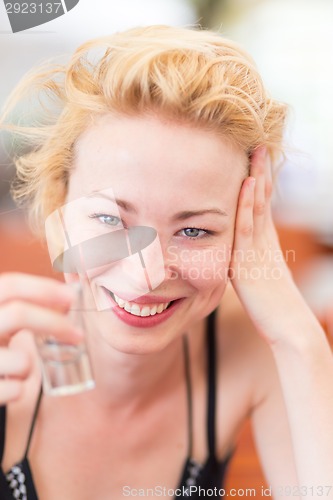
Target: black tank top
(18,483)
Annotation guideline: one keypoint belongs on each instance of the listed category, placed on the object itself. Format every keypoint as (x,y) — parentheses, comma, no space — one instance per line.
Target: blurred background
(292,44)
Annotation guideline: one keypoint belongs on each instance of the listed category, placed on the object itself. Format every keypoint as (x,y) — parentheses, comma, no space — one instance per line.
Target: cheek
(204,269)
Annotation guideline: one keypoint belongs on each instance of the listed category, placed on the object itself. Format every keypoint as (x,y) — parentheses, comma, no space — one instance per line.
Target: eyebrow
(179,216)
(121,203)
(187,214)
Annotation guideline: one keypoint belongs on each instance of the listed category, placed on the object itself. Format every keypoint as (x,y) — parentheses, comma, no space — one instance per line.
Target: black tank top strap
(212,386)
(2,431)
(33,422)
(3,413)
(188,395)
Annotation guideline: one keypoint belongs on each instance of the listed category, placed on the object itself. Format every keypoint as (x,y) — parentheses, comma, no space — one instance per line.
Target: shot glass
(66,368)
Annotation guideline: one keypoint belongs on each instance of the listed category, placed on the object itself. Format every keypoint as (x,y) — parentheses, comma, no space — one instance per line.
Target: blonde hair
(194,76)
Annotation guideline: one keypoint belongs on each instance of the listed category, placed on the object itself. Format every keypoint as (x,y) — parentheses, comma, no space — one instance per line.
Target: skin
(140,372)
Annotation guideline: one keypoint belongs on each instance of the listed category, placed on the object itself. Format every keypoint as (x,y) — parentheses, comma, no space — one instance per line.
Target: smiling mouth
(142,310)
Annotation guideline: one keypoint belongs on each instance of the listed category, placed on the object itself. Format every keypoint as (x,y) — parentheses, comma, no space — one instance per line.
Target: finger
(14,363)
(269,178)
(43,291)
(269,189)
(269,222)
(259,172)
(42,322)
(10,390)
(244,218)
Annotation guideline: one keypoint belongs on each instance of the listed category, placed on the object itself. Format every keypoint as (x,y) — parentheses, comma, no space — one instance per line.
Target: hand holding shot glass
(66,368)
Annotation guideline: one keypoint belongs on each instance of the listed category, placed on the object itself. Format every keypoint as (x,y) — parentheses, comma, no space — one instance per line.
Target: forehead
(151,152)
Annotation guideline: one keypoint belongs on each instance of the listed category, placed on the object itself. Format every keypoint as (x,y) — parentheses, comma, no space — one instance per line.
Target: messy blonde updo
(194,76)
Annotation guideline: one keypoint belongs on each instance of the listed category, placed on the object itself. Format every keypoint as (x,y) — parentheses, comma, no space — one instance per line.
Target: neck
(131,380)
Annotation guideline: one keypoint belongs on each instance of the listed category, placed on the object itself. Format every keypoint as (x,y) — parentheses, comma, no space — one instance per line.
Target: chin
(130,340)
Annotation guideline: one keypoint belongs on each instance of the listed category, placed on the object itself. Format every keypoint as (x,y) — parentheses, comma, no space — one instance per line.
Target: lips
(142,313)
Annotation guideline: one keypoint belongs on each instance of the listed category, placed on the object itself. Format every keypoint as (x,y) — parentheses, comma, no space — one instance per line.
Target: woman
(177,126)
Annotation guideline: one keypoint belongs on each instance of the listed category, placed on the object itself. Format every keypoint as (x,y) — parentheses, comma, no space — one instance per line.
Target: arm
(305,369)
(271,429)
(281,316)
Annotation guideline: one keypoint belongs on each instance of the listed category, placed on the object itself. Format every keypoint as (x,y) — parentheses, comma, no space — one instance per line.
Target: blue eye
(109,220)
(193,232)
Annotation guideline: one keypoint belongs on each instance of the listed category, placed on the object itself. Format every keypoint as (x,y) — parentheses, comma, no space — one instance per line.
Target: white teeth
(145,311)
(135,309)
(127,307)
(153,310)
(140,309)
(160,308)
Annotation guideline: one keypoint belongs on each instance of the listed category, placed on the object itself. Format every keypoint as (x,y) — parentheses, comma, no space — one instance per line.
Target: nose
(151,258)
(142,269)
(147,267)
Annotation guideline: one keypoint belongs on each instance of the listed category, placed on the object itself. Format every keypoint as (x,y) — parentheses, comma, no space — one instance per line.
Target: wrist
(302,334)
(287,322)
